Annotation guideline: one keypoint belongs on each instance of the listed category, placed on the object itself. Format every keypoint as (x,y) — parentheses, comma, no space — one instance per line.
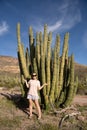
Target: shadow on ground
(19,101)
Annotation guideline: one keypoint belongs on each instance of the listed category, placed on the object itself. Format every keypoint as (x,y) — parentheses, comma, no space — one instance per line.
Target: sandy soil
(80,100)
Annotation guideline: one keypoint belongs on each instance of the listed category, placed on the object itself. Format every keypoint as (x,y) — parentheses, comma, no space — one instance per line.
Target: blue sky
(61,16)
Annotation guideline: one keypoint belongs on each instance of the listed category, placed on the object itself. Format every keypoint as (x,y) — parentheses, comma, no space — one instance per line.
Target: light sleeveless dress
(33,89)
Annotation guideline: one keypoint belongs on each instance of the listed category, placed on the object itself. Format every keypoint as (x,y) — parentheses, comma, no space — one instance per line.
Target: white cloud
(65,23)
(70,16)
(55,26)
(3,28)
(67,16)
(39,27)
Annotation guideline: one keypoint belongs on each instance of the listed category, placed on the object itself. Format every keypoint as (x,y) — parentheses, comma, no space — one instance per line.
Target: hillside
(9,65)
(81,71)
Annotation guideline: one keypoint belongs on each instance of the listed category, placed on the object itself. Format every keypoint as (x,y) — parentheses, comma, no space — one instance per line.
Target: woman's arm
(45,84)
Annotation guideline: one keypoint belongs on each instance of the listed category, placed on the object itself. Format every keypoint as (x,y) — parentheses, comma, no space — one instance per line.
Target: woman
(34,85)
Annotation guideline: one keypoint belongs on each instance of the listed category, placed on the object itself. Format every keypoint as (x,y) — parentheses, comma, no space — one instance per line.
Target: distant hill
(9,65)
(81,71)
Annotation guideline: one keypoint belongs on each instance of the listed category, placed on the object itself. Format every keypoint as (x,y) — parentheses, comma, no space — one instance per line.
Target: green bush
(82,89)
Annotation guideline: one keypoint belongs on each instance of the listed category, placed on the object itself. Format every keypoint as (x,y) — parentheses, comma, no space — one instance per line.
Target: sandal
(39,117)
(30,117)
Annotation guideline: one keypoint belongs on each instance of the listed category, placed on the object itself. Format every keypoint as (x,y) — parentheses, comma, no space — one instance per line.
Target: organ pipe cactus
(21,55)
(71,84)
(56,94)
(48,73)
(65,45)
(31,46)
(51,67)
(54,77)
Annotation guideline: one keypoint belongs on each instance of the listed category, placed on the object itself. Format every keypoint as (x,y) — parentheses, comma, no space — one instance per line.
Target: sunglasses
(34,75)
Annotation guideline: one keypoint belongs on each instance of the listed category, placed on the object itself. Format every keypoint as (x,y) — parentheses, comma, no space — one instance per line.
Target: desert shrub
(9,82)
(82,88)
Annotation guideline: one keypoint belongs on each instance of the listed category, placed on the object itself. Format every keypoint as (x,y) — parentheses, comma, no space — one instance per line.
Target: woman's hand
(45,84)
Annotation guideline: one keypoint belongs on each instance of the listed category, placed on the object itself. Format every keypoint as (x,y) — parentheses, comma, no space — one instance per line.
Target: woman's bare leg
(38,108)
(30,106)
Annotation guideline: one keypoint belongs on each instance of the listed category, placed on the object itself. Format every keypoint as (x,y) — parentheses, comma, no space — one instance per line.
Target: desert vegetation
(51,67)
(9,82)
(59,112)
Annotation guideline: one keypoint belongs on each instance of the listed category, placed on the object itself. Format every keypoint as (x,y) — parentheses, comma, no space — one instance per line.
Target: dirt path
(80,100)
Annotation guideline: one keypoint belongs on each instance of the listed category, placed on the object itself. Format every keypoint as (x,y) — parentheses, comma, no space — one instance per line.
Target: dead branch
(63,110)
(67,116)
